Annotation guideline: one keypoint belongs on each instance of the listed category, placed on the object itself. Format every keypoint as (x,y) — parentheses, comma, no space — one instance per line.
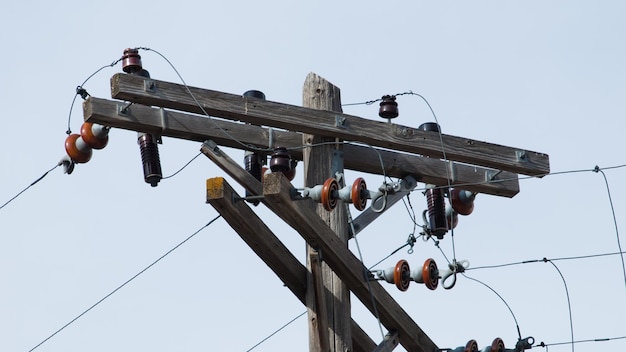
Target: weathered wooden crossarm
(268,247)
(277,192)
(327,123)
(175,124)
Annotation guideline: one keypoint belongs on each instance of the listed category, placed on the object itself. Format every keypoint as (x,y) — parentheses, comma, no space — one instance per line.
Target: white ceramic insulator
(314,193)
(387,274)
(345,193)
(416,275)
(82,146)
(99,131)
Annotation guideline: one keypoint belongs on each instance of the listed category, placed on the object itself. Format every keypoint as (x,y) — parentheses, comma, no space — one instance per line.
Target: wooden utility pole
(332,271)
(321,160)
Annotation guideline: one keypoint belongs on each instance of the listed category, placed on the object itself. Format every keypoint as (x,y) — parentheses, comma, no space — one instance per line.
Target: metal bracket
(149,86)
(491,175)
(521,155)
(340,121)
(336,164)
(122,108)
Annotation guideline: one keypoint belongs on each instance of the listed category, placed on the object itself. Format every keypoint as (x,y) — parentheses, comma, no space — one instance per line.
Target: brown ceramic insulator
(95,141)
(402,275)
(437,221)
(388,107)
(462,201)
(77,149)
(430,274)
(359,193)
(471,346)
(497,345)
(131,61)
(329,194)
(150,159)
(280,160)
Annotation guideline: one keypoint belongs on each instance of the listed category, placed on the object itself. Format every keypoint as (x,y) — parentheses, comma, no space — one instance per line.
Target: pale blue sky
(542,76)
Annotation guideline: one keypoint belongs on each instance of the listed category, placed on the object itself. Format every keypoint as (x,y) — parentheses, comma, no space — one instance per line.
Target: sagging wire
(30,185)
(182,168)
(80,90)
(608,191)
(569,304)
(124,284)
(204,112)
(519,334)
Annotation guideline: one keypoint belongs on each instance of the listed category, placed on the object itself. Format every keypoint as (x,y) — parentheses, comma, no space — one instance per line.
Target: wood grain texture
(318,93)
(268,247)
(328,123)
(191,127)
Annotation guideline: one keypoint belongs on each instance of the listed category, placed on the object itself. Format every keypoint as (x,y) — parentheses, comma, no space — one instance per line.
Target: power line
(608,191)
(30,185)
(124,284)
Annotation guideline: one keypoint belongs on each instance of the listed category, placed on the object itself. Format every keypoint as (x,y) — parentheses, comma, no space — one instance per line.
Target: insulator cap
(429,127)
(359,193)
(280,160)
(96,137)
(497,345)
(462,201)
(430,274)
(254,94)
(388,107)
(131,60)
(402,275)
(471,346)
(77,149)
(329,194)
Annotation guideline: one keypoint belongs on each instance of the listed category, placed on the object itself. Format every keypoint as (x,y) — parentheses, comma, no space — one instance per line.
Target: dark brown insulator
(437,221)
(131,61)
(388,107)
(150,158)
(430,127)
(280,160)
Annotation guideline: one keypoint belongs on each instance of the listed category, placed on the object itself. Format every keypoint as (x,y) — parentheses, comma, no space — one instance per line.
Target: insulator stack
(79,147)
(437,221)
(388,107)
(148,143)
(496,346)
(401,275)
(150,159)
(329,193)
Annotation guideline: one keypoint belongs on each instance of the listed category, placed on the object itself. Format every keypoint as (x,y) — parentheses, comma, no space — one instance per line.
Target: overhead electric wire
(29,186)
(182,168)
(124,284)
(619,244)
(569,303)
